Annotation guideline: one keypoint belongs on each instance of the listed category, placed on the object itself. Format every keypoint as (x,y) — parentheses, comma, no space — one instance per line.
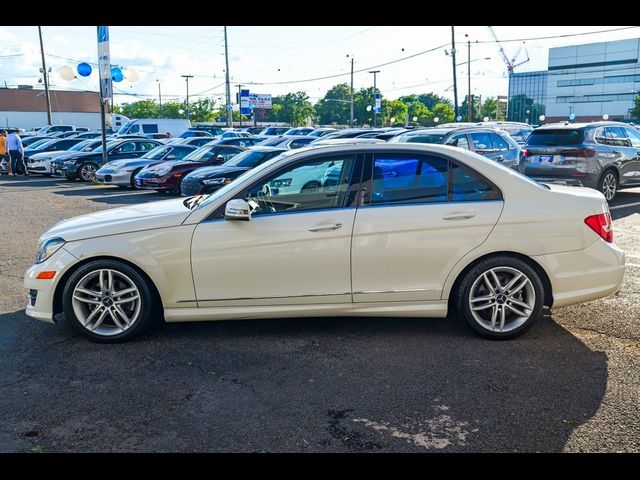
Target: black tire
(147,301)
(87,172)
(608,184)
(133,177)
(532,294)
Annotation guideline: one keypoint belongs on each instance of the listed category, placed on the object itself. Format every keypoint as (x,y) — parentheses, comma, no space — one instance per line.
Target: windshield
(110,145)
(79,147)
(249,159)
(203,154)
(560,136)
(39,143)
(125,128)
(45,144)
(157,153)
(423,138)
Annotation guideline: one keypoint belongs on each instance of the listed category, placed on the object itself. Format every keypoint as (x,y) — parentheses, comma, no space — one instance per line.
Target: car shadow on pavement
(32,181)
(133,198)
(625,204)
(308,385)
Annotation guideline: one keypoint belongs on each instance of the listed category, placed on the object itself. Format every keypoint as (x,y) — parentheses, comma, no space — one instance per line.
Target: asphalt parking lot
(311,385)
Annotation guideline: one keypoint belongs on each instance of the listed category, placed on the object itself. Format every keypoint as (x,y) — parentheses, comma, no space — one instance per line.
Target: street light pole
(46,79)
(187,77)
(240,102)
(375,90)
(469,101)
(159,99)
(351,106)
(228,84)
(455,81)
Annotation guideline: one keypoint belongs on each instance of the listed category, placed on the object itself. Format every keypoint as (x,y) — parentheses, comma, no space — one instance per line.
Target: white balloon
(67,73)
(132,75)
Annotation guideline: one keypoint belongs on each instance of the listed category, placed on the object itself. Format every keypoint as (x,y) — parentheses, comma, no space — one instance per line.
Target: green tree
(422,114)
(444,112)
(476,109)
(489,108)
(296,108)
(392,109)
(140,109)
(635,111)
(172,109)
(335,106)
(361,99)
(203,110)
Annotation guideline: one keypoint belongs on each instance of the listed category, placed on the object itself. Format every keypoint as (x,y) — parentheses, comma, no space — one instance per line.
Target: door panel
(295,249)
(424,213)
(405,253)
(274,259)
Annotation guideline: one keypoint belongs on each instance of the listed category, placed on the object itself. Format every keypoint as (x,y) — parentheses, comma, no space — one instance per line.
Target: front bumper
(114,178)
(156,183)
(41,292)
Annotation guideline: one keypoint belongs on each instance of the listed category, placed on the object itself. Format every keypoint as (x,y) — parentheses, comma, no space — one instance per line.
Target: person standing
(16,152)
(3,151)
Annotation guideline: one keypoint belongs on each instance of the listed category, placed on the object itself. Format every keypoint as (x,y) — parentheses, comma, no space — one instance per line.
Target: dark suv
(600,155)
(493,143)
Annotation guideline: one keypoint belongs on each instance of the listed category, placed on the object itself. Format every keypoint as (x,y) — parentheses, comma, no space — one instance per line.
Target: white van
(142,126)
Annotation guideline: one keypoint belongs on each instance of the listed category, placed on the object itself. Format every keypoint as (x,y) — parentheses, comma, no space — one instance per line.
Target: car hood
(77,156)
(128,163)
(54,154)
(135,218)
(209,172)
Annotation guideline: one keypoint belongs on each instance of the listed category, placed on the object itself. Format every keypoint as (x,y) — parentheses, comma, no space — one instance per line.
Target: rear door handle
(459,216)
(325,227)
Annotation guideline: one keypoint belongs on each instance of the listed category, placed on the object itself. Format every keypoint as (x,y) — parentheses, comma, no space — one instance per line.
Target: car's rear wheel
(501,297)
(608,184)
(108,301)
(87,172)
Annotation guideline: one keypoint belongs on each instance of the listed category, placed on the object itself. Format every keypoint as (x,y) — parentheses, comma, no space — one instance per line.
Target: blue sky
(274,57)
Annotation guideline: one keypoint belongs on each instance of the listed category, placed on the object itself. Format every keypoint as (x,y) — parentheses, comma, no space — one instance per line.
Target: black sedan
(85,165)
(210,179)
(51,145)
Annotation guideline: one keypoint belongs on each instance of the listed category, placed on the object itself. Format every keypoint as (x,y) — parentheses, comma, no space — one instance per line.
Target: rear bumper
(584,275)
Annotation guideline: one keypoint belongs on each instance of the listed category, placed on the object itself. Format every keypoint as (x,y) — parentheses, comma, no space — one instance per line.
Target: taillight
(524,152)
(602,225)
(578,152)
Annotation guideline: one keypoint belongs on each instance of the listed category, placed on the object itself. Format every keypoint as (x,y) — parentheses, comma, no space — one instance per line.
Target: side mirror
(219,160)
(237,209)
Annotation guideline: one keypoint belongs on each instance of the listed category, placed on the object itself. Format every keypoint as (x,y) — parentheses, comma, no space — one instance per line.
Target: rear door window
(617,137)
(634,137)
(561,136)
(459,141)
(481,141)
(499,143)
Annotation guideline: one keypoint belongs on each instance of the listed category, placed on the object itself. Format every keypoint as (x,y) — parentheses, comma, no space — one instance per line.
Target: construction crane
(511,65)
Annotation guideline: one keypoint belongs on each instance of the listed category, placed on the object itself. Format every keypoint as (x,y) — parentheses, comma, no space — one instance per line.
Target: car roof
(568,125)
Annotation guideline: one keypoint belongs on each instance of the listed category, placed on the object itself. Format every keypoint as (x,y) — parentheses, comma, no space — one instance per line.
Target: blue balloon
(116,74)
(84,69)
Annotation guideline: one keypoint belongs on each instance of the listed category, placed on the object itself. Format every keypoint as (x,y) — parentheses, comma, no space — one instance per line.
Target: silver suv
(600,155)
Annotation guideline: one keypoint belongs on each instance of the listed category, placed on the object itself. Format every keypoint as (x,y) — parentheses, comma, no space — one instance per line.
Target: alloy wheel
(88,173)
(502,299)
(609,186)
(106,302)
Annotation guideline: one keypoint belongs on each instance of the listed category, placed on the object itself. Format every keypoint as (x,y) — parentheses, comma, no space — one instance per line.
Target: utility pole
(46,79)
(375,90)
(240,102)
(469,100)
(226,60)
(455,80)
(351,109)
(187,77)
(159,99)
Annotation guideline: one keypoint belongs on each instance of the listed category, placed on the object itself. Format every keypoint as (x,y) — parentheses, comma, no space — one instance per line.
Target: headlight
(216,181)
(48,248)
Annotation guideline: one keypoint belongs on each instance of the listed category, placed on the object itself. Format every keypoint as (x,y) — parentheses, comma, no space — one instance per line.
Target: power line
(557,36)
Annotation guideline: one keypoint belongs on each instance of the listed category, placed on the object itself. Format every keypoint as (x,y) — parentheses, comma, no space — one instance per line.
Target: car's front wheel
(107,301)
(501,297)
(87,172)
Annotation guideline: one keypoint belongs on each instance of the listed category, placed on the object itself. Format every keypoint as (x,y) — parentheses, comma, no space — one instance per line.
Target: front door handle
(325,227)
(459,216)
(499,158)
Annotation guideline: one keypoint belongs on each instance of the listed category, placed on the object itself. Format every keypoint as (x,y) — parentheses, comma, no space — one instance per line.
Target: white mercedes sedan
(402,230)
